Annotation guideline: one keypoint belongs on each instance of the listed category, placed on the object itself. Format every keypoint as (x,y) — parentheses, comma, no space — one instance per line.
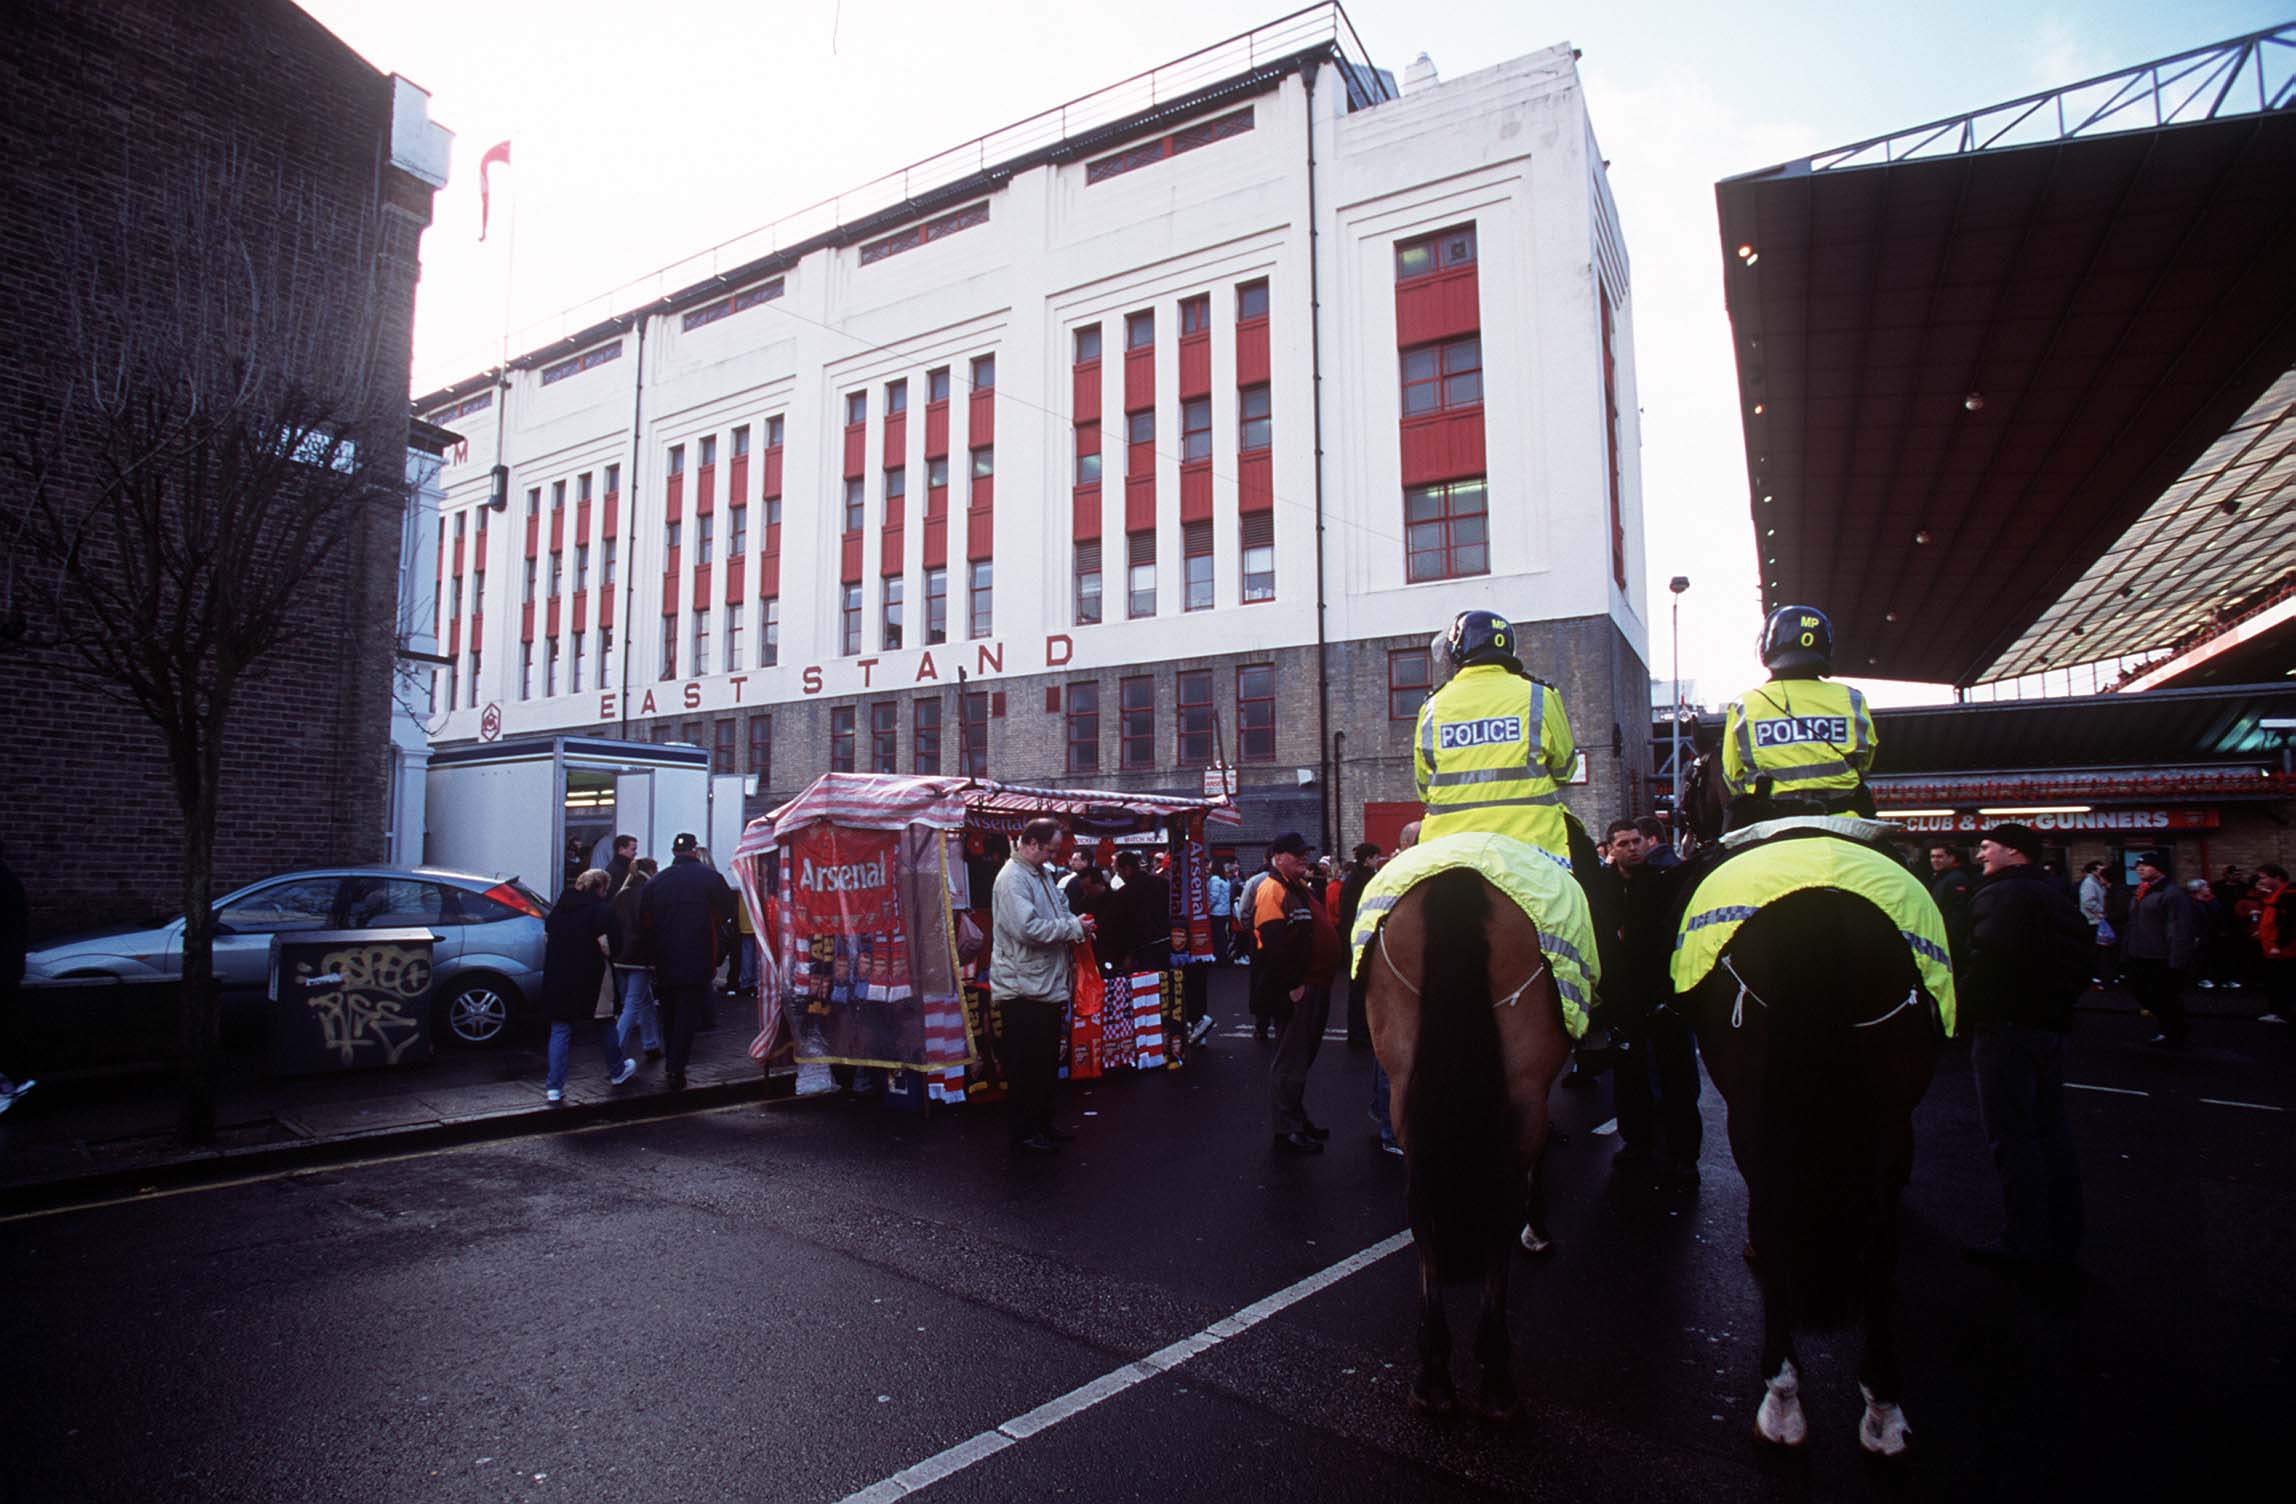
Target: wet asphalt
(797,1301)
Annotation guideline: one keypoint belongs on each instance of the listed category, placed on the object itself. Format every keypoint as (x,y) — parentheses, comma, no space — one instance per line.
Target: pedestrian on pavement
(684,913)
(2095,893)
(633,971)
(1256,990)
(2159,947)
(1360,871)
(574,982)
(618,870)
(1217,901)
(1950,884)
(1147,909)
(2027,963)
(2218,958)
(1382,1089)
(15,941)
(1089,896)
(1301,955)
(1031,979)
(1656,1062)
(2269,912)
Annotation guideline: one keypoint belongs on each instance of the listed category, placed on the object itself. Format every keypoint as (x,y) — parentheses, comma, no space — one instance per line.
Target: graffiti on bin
(360,998)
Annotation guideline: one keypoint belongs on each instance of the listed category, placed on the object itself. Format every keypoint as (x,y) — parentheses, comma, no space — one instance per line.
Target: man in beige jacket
(1029,979)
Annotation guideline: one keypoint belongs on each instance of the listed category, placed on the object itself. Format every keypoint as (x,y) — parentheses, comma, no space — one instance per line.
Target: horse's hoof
(1780,1420)
(1499,1406)
(1883,1430)
(1534,1242)
(1432,1397)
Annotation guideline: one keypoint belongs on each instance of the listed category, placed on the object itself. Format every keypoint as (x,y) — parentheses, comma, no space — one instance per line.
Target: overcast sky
(646,133)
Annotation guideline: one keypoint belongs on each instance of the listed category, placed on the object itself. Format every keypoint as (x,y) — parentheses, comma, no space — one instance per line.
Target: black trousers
(2160,992)
(2020,1074)
(1656,1078)
(1031,1050)
(685,1008)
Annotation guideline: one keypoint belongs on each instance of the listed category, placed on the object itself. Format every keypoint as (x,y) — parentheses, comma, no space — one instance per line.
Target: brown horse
(1811,1033)
(1469,1027)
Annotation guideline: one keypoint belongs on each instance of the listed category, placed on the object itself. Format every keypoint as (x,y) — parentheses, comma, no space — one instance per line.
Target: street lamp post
(1677,585)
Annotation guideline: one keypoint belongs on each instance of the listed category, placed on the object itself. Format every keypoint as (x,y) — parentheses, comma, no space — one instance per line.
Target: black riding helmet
(1483,637)
(1797,639)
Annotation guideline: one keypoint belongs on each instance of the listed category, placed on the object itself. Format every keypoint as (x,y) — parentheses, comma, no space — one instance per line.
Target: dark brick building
(105,106)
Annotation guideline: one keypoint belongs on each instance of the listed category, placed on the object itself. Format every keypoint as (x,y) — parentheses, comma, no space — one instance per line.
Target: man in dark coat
(574,981)
(618,870)
(1147,913)
(1951,882)
(684,912)
(2159,944)
(1656,1071)
(2028,960)
(1300,953)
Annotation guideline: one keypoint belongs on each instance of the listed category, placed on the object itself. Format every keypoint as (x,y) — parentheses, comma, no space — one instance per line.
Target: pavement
(827,1300)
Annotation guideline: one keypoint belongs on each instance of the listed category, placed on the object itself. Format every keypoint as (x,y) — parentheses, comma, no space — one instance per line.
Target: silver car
(488,959)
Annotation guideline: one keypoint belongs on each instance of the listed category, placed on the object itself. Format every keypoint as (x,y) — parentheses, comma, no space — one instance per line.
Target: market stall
(873,891)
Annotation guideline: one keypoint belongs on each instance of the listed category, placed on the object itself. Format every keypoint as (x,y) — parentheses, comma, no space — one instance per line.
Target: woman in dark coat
(573,974)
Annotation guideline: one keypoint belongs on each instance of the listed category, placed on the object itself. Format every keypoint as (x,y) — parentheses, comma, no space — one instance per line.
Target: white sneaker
(629,1069)
(554,1096)
(1201,1028)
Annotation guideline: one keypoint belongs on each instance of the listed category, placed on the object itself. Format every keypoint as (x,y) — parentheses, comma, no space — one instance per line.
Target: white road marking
(2118,1091)
(1052,1412)
(2252,1106)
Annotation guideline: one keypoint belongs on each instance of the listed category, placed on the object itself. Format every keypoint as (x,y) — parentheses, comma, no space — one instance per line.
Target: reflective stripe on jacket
(1807,736)
(1491,753)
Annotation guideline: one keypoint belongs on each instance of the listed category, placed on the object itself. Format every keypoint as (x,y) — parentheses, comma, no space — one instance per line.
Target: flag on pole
(499,152)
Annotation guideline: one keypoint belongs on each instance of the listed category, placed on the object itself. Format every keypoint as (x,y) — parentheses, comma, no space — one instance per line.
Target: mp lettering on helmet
(1793,730)
(1491,731)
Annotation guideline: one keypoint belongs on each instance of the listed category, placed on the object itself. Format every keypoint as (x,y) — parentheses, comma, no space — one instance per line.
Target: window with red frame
(1255,426)
(1088,454)
(1410,673)
(722,754)
(1444,377)
(1446,530)
(761,748)
(925,750)
(984,373)
(1139,330)
(1196,315)
(1192,745)
(1088,344)
(1252,301)
(1136,723)
(1196,564)
(1256,712)
(1083,712)
(856,408)
(1088,583)
(896,398)
(841,739)
(885,737)
(1256,538)
(1195,429)
(937,604)
(1442,252)
(973,736)
(849,621)
(854,504)
(937,384)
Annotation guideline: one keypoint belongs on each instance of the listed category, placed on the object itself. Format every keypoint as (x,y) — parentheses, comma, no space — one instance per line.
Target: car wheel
(476,1011)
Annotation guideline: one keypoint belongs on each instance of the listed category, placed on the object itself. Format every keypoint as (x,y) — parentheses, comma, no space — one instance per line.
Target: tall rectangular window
(890,625)
(677,459)
(1256,713)
(529,586)
(1255,426)
(981,605)
(1446,531)
(1139,330)
(613,480)
(925,743)
(534,501)
(849,621)
(896,398)
(1192,746)
(1196,315)
(937,384)
(1410,674)
(550,667)
(1195,430)
(581,566)
(973,735)
(606,561)
(896,490)
(1136,723)
(737,532)
(936,478)
(1088,583)
(984,373)
(769,633)
(856,408)
(670,533)
(1196,553)
(885,737)
(474,671)
(1140,575)
(734,612)
(840,738)
(741,442)
(1252,301)
(669,647)
(1088,454)
(705,535)
(1083,727)
(574,685)
(701,642)
(709,450)
(773,432)
(557,573)
(853,504)
(1256,533)
(1443,377)
(722,746)
(605,654)
(1612,431)
(761,748)
(526,671)
(984,462)
(936,605)
(1088,344)
(558,496)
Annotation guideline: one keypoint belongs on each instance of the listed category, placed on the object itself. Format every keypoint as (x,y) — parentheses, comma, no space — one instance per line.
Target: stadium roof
(2016,385)
(2165,728)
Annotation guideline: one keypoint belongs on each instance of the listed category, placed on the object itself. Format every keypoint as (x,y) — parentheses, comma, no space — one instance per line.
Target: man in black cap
(683,912)
(2027,961)
(1301,952)
(2158,946)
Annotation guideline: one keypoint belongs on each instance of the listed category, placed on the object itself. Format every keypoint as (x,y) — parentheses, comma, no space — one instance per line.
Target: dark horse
(1468,1024)
(1807,1034)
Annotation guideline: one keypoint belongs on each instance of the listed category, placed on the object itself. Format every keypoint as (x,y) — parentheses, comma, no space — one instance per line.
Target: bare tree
(224,424)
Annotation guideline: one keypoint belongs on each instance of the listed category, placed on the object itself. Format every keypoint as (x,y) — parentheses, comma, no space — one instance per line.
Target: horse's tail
(1824,1215)
(1465,1193)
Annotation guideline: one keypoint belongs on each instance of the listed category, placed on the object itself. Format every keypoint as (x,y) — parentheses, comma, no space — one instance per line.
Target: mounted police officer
(1494,744)
(1799,744)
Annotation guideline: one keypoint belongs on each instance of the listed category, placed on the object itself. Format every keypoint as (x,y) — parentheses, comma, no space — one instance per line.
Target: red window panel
(980,534)
(1446,531)
(557,532)
(1136,723)
(1084,393)
(769,575)
(454,634)
(1255,483)
(674,491)
(1196,345)
(1196,491)
(457,553)
(896,445)
(981,413)
(581,523)
(610,526)
(1139,502)
(1252,354)
(1443,306)
(1140,372)
(896,497)
(772,485)
(736,579)
(670,593)
(553,618)
(1410,675)
(705,480)
(1084,510)
(849,558)
(937,428)
(579,610)
(702,588)
(936,541)
(606,603)
(1447,446)
(533,535)
(526,622)
(1256,712)
(856,449)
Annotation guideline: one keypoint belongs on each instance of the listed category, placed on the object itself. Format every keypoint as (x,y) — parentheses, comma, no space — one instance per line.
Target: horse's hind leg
(1535,1239)
(1432,1392)
(1498,1399)
(1780,1419)
(1882,1430)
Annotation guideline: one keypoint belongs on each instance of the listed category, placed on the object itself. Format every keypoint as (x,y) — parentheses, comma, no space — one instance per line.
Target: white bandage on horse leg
(1883,1431)
(1535,1242)
(1780,1420)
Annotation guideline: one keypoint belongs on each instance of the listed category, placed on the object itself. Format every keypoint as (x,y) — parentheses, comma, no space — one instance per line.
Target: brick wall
(105,96)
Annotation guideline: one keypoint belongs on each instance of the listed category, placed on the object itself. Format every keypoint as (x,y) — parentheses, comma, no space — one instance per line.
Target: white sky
(645,133)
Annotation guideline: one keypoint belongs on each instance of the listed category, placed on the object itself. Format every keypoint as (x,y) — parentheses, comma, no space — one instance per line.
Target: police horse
(1820,1026)
(1465,997)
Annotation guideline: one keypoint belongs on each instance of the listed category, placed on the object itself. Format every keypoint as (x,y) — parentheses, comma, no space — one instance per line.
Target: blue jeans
(1381,1089)
(562,1047)
(638,1008)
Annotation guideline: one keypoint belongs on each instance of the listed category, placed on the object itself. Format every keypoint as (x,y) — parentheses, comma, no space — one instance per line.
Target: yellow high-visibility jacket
(1492,749)
(1812,738)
